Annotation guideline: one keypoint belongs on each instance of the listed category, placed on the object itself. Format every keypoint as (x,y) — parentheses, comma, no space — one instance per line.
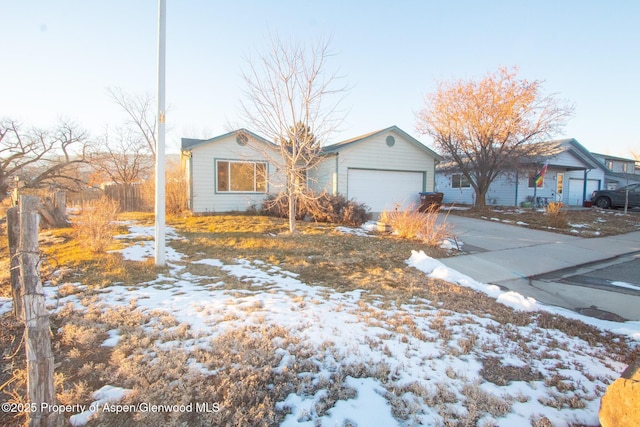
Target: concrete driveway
(524,260)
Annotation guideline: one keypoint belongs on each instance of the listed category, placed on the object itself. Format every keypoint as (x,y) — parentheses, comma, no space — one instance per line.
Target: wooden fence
(129,196)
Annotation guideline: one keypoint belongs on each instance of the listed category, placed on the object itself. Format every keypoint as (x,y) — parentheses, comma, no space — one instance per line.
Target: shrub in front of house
(321,207)
(410,223)
(556,216)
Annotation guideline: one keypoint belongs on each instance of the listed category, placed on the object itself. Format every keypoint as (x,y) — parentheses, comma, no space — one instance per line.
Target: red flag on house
(539,178)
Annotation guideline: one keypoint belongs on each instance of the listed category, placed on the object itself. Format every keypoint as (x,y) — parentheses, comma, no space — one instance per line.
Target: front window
(241,177)
(532,180)
(459,181)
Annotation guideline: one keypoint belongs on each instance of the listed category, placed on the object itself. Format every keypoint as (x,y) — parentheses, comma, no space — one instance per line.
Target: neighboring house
(381,169)
(619,171)
(572,175)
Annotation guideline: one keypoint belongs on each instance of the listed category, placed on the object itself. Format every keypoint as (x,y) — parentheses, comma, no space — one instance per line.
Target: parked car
(616,198)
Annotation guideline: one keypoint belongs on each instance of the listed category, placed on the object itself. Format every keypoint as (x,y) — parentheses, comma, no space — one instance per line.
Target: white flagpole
(160,191)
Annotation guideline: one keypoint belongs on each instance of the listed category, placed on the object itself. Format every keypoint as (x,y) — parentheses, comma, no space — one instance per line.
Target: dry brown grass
(595,222)
(318,254)
(495,372)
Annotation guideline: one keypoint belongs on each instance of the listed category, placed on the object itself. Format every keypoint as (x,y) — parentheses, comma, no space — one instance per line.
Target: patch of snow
(518,302)
(579,225)
(434,268)
(626,285)
(455,208)
(355,231)
(6,305)
(113,340)
(367,408)
(522,223)
(106,395)
(451,244)
(211,262)
(369,226)
(142,250)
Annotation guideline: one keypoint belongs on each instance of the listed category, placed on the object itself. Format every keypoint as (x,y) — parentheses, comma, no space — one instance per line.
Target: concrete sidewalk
(503,252)
(509,255)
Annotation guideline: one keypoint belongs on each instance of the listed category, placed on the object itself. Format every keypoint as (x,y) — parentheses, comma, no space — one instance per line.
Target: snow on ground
(626,285)
(405,339)
(106,395)
(434,268)
(5,305)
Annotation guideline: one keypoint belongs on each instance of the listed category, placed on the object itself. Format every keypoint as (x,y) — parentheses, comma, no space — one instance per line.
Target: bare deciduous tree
(490,126)
(41,158)
(292,99)
(140,110)
(123,158)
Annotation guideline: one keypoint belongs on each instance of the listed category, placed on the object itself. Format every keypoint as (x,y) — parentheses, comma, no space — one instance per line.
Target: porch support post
(584,186)
(515,203)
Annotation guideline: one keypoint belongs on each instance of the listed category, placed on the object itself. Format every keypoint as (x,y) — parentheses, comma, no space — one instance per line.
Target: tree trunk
(13,237)
(54,212)
(60,209)
(481,199)
(37,338)
(293,202)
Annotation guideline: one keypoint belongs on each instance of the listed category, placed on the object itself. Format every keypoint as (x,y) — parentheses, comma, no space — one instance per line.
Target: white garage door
(576,187)
(381,190)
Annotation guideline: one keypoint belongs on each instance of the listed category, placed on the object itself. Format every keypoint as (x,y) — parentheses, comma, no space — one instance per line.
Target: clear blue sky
(59,57)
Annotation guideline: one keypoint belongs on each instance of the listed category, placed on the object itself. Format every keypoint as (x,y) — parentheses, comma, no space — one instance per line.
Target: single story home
(571,176)
(237,170)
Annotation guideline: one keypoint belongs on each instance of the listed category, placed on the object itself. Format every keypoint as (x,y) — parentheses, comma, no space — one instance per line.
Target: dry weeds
(95,225)
(414,225)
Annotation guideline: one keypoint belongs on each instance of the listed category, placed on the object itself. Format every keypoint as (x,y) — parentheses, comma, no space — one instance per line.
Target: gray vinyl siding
(323,177)
(204,196)
(503,190)
(376,154)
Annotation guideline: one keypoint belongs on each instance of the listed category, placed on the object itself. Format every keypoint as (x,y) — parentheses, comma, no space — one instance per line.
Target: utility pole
(160,233)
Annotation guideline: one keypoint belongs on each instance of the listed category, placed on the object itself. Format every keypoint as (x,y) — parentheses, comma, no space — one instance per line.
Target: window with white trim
(458,180)
(234,176)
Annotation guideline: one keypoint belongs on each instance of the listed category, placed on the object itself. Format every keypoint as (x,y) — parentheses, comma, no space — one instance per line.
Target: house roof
(334,148)
(609,157)
(570,145)
(577,149)
(190,143)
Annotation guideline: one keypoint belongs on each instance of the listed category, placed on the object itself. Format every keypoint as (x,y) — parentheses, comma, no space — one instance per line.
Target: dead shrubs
(95,226)
(320,207)
(556,217)
(412,224)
